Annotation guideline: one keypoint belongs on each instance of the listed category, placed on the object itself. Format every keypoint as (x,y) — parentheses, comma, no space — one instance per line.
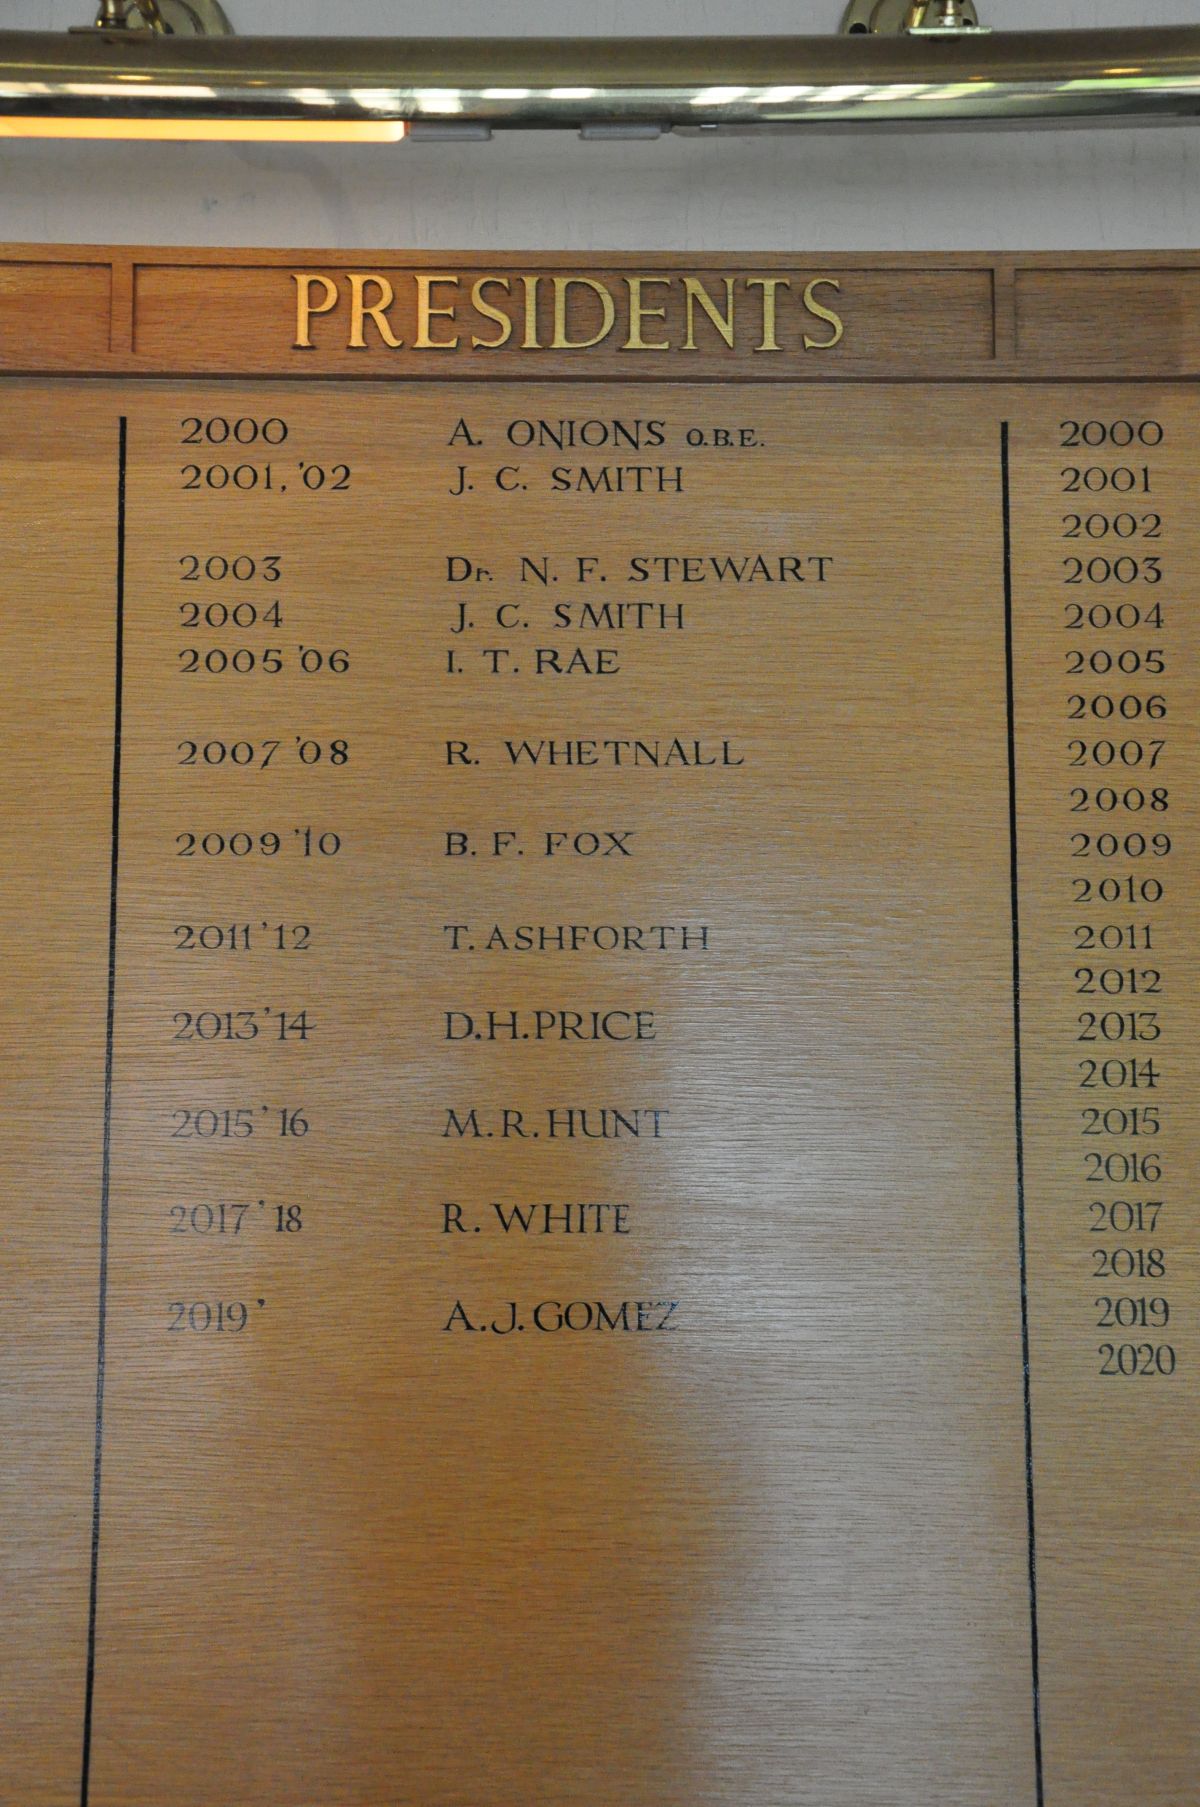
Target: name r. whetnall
(613,754)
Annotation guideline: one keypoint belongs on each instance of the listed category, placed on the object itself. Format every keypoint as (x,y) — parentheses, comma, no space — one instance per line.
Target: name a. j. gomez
(622,1316)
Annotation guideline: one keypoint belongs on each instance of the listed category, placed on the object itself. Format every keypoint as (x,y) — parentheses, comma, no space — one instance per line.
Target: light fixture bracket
(163,18)
(913,19)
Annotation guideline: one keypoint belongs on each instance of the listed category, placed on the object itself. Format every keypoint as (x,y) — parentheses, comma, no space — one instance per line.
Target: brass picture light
(176,69)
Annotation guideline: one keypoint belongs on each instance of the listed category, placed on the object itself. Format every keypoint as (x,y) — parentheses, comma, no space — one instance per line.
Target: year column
(237,844)
(1105,691)
(1117,770)
(253,704)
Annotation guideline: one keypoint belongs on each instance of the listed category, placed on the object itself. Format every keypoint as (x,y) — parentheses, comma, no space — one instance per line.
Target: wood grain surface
(600,1015)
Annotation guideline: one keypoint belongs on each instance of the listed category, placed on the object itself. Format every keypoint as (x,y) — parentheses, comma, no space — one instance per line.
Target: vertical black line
(1018,1103)
(106,1157)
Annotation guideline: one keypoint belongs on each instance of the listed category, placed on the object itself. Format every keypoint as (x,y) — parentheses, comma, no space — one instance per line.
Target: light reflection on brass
(260,131)
(1136,75)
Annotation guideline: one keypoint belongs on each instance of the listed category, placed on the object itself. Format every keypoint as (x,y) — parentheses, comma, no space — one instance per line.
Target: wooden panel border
(927,317)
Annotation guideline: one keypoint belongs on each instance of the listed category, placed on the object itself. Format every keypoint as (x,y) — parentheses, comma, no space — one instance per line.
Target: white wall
(1061,190)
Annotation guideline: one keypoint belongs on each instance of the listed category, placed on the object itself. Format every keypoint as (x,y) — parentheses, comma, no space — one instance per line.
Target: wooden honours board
(600,1064)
